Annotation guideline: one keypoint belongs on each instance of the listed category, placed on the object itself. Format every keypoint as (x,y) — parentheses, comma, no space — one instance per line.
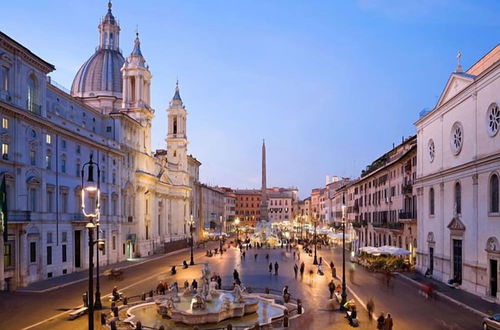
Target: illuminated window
(5,123)
(48,139)
(5,151)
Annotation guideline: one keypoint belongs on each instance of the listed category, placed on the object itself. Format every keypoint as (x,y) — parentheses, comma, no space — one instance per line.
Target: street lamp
(315,262)
(191,229)
(220,237)
(237,222)
(344,294)
(90,187)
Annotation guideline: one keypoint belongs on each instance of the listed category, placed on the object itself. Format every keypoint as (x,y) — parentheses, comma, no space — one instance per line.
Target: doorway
(78,247)
(457,259)
(431,260)
(493,277)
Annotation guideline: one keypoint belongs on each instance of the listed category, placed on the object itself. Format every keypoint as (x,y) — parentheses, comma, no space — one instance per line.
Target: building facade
(212,208)
(49,134)
(248,206)
(458,180)
(383,204)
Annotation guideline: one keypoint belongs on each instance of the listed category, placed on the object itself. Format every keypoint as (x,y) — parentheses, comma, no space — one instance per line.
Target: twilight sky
(330,85)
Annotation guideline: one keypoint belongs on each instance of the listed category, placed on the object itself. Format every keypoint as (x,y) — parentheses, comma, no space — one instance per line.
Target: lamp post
(315,262)
(220,237)
(191,229)
(237,222)
(91,187)
(344,294)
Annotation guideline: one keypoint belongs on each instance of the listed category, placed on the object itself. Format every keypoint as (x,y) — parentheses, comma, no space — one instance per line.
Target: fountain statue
(205,283)
(238,294)
(198,302)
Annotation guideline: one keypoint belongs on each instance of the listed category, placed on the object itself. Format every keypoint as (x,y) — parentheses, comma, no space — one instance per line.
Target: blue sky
(330,85)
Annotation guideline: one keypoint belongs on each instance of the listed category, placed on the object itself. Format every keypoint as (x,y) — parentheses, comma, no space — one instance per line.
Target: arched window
(494,194)
(458,198)
(431,201)
(32,94)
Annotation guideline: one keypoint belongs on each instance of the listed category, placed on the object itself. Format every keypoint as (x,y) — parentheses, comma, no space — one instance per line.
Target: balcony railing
(33,107)
(19,216)
(408,188)
(389,225)
(79,217)
(407,215)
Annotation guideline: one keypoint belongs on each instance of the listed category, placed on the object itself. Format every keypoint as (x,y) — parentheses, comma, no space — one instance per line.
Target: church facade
(47,135)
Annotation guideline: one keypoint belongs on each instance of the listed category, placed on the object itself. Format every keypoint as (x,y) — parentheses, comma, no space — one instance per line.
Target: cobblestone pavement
(401,298)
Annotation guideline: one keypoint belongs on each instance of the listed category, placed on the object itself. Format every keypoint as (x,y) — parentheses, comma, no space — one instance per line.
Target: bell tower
(136,92)
(176,137)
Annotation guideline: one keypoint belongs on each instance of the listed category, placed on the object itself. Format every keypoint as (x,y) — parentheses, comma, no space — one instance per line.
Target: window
(64,253)
(458,198)
(5,151)
(5,79)
(114,242)
(494,194)
(32,94)
(48,139)
(50,200)
(114,177)
(175,125)
(431,201)
(49,237)
(63,144)
(5,123)
(33,157)
(32,251)
(457,138)
(493,119)
(64,202)
(49,255)
(7,255)
(113,205)
(48,161)
(64,237)
(78,149)
(432,150)
(103,176)
(32,205)
(78,169)
(63,165)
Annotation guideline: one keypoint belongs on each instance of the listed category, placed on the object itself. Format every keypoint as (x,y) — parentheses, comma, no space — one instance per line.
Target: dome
(100,75)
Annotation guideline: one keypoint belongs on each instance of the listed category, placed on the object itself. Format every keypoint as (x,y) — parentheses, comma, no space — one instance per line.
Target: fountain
(207,306)
(263,234)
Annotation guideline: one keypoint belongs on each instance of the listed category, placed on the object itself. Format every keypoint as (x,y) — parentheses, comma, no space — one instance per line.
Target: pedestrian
(331,264)
(285,290)
(276,266)
(334,272)
(236,275)
(388,323)
(194,284)
(186,284)
(160,288)
(295,270)
(320,270)
(381,321)
(331,288)
(302,268)
(255,257)
(267,257)
(320,260)
(370,305)
(244,254)
(219,282)
(270,267)
(351,275)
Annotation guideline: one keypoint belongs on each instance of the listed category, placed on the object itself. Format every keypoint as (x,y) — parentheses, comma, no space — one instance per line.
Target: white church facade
(458,170)
(47,135)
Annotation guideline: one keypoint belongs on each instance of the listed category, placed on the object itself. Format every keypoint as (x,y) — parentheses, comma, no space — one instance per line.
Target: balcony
(408,189)
(19,216)
(389,225)
(33,107)
(359,224)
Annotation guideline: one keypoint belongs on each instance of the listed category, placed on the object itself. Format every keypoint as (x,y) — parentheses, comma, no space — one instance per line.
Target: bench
(77,313)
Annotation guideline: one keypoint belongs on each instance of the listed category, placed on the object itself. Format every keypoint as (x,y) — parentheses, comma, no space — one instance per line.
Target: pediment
(456,224)
(458,81)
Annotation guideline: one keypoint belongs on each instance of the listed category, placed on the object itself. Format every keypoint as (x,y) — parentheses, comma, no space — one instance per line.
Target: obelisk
(263,197)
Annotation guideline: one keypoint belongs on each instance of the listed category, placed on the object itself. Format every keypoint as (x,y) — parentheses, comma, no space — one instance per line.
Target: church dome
(100,75)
